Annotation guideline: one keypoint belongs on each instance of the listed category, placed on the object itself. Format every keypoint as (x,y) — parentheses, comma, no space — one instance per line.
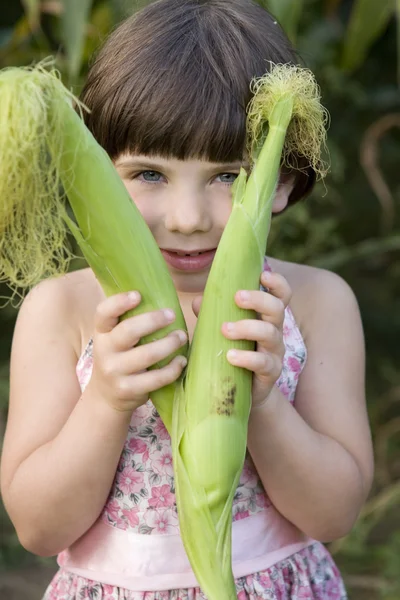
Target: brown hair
(174,80)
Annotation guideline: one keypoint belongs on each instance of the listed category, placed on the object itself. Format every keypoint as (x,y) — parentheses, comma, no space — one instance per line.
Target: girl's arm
(60,451)
(62,448)
(315,459)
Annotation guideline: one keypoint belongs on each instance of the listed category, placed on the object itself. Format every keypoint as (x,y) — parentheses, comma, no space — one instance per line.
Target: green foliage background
(351,226)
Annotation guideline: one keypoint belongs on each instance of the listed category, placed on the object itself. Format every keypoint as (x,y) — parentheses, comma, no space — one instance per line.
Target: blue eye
(227,177)
(150,176)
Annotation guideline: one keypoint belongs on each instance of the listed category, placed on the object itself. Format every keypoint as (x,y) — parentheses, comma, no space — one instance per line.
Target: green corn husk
(213,401)
(46,153)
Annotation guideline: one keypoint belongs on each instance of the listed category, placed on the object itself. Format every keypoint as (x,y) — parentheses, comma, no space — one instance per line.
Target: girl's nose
(188,213)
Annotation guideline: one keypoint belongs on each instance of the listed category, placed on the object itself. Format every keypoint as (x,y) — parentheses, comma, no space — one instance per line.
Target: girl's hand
(267,332)
(119,365)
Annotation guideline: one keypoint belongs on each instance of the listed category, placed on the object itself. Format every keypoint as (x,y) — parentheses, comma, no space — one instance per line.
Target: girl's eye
(228,178)
(150,176)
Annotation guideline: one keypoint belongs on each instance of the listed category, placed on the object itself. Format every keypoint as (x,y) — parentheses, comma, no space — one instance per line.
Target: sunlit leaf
(32,9)
(74,22)
(368,20)
(287,12)
(122,9)
(101,22)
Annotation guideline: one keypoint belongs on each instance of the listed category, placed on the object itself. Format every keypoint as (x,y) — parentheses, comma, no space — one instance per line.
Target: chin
(190,283)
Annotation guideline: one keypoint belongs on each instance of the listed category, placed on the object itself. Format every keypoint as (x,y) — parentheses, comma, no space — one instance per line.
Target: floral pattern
(142,500)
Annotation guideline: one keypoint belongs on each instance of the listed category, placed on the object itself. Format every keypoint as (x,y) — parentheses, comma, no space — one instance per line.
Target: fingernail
(229,326)
(183,361)
(169,314)
(232,354)
(133,296)
(244,295)
(182,335)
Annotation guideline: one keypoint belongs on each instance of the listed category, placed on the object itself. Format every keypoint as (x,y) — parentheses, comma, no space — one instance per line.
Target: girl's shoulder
(86,294)
(316,294)
(305,277)
(70,300)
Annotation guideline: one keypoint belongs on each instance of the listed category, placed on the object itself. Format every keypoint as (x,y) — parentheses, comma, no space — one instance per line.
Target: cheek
(142,203)
(222,208)
(145,209)
(226,213)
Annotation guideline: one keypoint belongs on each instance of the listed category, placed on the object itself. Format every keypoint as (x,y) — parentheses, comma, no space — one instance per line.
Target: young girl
(86,470)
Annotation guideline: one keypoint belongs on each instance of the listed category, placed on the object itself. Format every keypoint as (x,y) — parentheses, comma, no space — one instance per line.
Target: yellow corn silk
(213,401)
(48,153)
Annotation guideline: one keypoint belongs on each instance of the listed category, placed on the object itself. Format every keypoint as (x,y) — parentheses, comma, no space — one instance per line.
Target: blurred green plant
(350,225)
(367,22)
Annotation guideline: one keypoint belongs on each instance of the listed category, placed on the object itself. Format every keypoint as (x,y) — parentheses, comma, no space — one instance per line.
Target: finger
(109,311)
(266,305)
(263,364)
(263,332)
(277,286)
(128,332)
(147,382)
(143,357)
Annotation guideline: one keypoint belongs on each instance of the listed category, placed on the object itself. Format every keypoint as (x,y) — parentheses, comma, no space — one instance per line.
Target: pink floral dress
(142,500)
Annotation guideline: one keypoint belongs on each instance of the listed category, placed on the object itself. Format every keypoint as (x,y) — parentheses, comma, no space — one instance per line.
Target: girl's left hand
(267,331)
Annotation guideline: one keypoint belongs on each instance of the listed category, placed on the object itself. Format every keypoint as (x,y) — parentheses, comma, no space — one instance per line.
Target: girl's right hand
(119,365)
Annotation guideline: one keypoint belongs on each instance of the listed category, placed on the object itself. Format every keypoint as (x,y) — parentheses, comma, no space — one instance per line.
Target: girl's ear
(284,189)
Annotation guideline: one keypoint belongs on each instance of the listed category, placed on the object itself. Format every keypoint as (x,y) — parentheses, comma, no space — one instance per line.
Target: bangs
(174,80)
(185,113)
(172,129)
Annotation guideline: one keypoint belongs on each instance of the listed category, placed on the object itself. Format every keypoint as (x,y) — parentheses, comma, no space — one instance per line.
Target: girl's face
(186,204)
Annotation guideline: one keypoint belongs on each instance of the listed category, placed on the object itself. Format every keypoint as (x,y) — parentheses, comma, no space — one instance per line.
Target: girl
(86,470)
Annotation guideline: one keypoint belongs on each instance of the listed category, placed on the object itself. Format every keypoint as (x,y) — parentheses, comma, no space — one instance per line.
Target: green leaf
(368,20)
(120,9)
(74,20)
(288,13)
(125,8)
(32,9)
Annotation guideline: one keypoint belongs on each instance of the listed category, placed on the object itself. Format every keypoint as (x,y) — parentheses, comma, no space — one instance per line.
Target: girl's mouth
(197,260)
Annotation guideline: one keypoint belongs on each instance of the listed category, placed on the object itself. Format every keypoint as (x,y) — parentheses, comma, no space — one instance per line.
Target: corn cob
(48,153)
(213,400)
